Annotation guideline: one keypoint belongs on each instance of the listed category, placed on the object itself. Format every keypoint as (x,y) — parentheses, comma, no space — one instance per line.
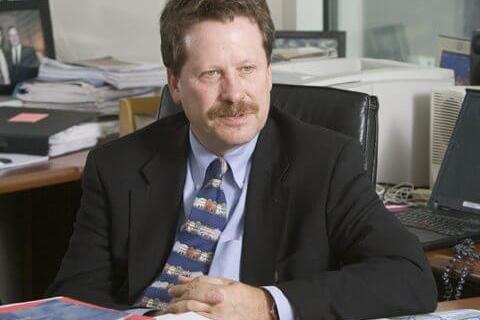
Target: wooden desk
(37,210)
(440,258)
(471,303)
(56,171)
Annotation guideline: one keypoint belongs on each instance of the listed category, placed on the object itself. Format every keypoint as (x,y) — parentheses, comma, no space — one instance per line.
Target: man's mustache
(232,109)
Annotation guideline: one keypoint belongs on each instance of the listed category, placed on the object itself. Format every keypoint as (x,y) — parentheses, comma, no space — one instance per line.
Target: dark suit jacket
(26,69)
(313,225)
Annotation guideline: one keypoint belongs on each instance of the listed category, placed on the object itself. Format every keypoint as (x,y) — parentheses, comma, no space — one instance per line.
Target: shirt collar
(237,159)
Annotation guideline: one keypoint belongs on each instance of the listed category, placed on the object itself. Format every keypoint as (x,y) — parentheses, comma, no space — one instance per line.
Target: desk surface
(440,258)
(470,303)
(58,170)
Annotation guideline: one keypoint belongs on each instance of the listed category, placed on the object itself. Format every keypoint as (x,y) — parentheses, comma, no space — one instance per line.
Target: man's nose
(232,90)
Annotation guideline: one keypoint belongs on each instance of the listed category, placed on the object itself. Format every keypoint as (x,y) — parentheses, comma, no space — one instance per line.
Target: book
(61,308)
(28,130)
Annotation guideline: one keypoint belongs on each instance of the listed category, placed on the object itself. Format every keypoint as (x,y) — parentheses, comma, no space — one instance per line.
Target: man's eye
(248,69)
(211,73)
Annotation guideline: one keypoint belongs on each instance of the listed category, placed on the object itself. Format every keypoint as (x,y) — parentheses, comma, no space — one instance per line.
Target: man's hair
(179,15)
(12,27)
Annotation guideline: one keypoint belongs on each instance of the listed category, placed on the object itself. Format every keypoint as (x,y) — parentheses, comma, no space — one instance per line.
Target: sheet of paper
(16,160)
(461,314)
(183,316)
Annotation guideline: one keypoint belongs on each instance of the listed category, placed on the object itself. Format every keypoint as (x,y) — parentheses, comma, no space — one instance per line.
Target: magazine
(60,308)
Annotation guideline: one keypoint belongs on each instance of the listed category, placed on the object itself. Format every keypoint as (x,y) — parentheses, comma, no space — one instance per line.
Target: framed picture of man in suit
(25,38)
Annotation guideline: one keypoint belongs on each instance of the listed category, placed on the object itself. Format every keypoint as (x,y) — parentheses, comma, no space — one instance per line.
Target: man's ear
(173,86)
(269,76)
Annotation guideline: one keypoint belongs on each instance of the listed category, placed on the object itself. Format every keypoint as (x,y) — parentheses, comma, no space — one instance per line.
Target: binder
(27,130)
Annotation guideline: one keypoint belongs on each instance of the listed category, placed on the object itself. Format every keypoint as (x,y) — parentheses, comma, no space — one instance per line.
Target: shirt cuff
(284,308)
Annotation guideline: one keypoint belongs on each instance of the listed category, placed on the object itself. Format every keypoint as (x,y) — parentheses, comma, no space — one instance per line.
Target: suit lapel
(264,209)
(155,209)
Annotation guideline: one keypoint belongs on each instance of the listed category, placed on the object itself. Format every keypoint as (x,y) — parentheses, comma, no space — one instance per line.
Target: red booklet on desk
(61,308)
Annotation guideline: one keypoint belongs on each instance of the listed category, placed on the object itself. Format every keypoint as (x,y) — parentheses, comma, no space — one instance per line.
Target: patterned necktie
(197,239)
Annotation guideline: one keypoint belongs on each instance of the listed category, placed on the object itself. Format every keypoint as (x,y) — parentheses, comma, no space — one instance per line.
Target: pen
(5,160)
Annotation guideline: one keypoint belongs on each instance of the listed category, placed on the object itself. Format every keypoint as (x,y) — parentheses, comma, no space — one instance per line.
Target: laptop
(453,210)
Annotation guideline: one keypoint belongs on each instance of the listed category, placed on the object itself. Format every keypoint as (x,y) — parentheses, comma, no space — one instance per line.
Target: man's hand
(218,298)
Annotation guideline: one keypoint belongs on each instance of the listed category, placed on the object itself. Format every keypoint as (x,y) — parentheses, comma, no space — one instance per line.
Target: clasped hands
(218,298)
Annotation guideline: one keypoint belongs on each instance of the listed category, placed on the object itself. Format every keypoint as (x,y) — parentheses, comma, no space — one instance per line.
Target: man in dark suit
(22,60)
(306,236)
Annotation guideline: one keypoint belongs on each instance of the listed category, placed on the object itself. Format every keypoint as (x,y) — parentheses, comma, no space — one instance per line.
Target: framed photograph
(454,53)
(25,37)
(300,44)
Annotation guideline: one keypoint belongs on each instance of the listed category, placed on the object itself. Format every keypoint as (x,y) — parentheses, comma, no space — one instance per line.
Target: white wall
(125,29)
(129,29)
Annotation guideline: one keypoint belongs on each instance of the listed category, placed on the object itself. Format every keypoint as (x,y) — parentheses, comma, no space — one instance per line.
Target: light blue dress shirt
(226,261)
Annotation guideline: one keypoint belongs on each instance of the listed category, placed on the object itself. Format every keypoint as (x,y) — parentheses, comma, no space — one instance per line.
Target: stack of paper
(80,137)
(304,52)
(72,92)
(74,95)
(182,316)
(117,73)
(53,70)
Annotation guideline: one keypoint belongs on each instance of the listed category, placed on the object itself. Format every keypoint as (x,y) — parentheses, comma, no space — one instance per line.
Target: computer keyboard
(425,218)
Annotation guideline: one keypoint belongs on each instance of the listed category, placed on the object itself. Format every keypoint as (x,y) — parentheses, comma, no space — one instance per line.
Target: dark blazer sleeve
(86,272)
(382,271)
(29,57)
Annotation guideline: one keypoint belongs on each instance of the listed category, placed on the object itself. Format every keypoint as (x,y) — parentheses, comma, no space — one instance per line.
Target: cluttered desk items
(71,309)
(105,70)
(61,308)
(453,210)
(45,132)
(18,160)
(463,314)
(89,85)
(67,308)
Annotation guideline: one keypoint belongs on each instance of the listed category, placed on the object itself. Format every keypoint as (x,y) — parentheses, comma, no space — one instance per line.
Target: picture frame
(454,53)
(27,23)
(299,44)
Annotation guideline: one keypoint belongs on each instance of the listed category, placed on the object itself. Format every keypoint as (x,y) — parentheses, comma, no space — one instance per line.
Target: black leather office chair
(351,113)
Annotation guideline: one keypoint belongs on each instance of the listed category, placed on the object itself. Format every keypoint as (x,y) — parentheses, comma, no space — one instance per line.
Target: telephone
(459,268)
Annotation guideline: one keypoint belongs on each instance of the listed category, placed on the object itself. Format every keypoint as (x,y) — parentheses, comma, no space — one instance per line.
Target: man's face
(224,85)
(13,37)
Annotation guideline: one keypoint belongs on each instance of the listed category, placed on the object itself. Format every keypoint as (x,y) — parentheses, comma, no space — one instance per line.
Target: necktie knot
(216,170)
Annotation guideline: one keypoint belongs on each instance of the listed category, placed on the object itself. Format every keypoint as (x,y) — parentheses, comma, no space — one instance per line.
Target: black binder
(32,137)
